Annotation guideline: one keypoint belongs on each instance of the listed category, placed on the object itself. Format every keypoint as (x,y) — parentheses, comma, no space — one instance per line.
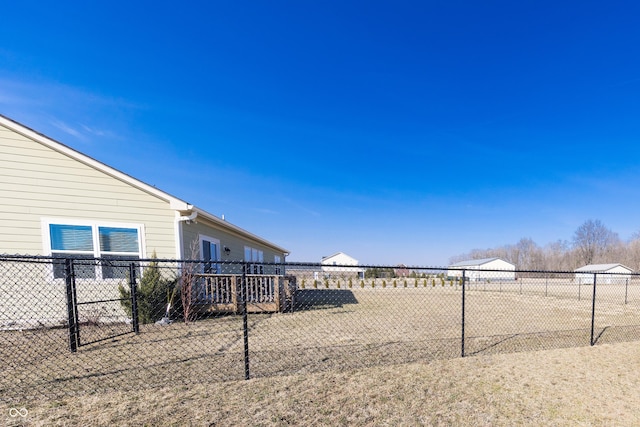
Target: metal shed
(476,270)
(611,273)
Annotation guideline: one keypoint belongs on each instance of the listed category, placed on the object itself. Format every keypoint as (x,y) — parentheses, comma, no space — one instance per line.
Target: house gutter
(185,218)
(180,220)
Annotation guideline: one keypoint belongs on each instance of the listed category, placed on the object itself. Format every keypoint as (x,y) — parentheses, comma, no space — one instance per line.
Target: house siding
(340,259)
(233,241)
(499,265)
(37,182)
(44,182)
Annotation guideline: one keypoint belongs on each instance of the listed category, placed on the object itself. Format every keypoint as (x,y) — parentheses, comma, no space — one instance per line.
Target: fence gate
(95,308)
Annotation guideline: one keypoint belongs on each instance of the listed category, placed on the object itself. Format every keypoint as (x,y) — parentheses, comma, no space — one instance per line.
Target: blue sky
(397,132)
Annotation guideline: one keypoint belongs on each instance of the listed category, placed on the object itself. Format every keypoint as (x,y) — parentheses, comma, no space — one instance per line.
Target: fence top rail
(298,267)
(220,275)
(573,272)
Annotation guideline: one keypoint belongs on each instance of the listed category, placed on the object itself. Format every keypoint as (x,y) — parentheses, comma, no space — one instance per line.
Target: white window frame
(255,256)
(202,238)
(95,235)
(277,260)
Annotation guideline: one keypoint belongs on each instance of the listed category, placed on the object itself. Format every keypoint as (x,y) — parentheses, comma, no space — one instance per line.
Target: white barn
(483,269)
(613,273)
(335,264)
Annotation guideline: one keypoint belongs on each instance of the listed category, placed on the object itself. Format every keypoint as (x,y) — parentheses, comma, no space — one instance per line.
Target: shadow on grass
(317,299)
(530,341)
(597,337)
(615,334)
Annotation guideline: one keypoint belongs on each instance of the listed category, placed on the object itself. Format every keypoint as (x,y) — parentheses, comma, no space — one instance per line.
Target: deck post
(278,288)
(235,291)
(291,289)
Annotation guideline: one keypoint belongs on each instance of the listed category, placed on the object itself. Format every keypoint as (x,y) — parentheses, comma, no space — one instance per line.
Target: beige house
(53,195)
(56,201)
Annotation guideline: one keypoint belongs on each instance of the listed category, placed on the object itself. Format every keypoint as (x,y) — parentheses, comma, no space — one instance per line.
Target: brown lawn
(348,357)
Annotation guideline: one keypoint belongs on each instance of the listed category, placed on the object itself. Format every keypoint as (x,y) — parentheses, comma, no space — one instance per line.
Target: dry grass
(591,386)
(357,356)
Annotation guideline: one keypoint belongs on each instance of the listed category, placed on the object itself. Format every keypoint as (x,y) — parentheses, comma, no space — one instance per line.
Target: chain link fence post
(463,306)
(546,284)
(593,308)
(134,298)
(579,287)
(626,291)
(72,305)
(245,319)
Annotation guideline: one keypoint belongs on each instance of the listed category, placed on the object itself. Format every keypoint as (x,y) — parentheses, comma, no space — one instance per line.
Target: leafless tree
(592,240)
(632,258)
(529,255)
(188,284)
(557,256)
(525,254)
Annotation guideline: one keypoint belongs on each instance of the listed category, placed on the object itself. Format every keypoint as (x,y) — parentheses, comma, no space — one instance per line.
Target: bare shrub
(188,278)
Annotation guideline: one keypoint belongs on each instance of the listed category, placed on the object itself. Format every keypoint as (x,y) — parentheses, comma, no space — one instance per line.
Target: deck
(220,293)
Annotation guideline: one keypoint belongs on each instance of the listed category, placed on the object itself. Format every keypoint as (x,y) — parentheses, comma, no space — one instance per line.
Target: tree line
(592,243)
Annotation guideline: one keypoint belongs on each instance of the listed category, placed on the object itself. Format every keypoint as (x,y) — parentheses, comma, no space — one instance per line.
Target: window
(117,245)
(277,261)
(209,250)
(72,241)
(255,257)
(114,244)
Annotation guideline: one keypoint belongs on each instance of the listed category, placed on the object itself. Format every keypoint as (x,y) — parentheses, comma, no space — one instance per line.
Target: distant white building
(335,264)
(483,269)
(585,274)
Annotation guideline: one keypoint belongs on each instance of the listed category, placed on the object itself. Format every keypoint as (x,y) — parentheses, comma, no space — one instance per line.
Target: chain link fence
(73,326)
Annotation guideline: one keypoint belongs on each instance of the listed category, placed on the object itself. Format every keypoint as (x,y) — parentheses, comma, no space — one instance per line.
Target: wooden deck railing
(219,289)
(261,288)
(221,292)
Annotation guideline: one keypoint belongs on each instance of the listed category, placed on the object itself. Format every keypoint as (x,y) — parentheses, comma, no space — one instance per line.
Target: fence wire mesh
(77,326)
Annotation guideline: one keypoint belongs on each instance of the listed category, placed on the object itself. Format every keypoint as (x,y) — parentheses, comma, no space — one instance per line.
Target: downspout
(180,221)
(284,263)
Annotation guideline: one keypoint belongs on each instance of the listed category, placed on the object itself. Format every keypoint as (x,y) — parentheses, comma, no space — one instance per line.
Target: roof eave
(175,203)
(237,230)
(179,205)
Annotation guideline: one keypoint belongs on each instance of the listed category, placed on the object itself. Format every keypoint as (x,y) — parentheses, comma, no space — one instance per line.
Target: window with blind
(114,245)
